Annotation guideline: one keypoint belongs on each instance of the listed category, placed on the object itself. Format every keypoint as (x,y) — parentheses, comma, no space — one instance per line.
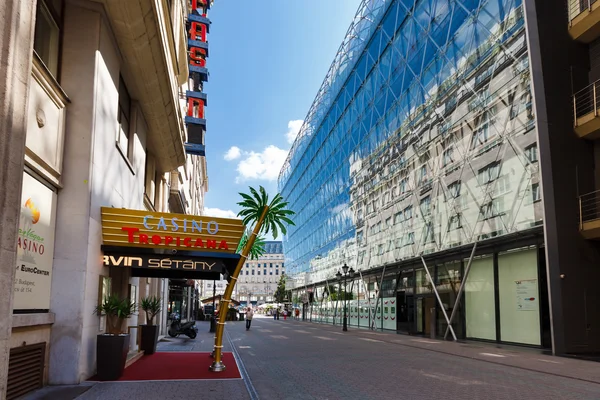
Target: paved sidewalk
(514,356)
(213,389)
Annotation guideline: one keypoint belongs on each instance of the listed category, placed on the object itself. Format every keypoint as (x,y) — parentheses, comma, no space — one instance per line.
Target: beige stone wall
(16,44)
(33,335)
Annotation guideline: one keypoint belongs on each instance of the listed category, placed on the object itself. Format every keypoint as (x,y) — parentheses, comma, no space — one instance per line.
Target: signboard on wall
(527,295)
(35,246)
(133,228)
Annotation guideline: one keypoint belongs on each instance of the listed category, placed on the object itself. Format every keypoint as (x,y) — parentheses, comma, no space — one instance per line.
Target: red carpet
(167,366)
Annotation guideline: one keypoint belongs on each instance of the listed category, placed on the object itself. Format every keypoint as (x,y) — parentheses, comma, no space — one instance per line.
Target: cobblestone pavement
(301,360)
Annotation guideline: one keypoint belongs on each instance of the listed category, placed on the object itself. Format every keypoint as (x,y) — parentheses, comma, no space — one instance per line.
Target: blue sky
(267,61)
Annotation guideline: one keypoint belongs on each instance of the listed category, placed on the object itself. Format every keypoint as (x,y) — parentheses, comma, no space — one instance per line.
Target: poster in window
(35,246)
(527,295)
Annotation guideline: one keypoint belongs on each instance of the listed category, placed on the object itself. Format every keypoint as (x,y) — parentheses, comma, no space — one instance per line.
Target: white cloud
(264,166)
(293,129)
(233,153)
(218,213)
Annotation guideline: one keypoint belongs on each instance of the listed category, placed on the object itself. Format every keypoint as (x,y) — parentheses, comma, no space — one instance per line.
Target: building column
(16,49)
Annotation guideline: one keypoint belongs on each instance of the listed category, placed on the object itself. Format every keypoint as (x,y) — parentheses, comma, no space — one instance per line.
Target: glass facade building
(422,142)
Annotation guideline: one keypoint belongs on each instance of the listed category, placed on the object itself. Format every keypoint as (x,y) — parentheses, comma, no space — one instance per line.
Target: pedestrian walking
(249,315)
(277,314)
(284,315)
(297,313)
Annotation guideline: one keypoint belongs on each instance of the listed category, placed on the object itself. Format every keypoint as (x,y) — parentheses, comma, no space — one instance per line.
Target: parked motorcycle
(177,328)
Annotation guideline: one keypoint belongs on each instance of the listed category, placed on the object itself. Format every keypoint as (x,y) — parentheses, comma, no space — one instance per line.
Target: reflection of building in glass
(422,142)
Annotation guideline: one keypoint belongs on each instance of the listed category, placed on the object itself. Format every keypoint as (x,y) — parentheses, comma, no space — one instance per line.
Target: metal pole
(367,293)
(462,286)
(379,294)
(595,108)
(438,298)
(345,327)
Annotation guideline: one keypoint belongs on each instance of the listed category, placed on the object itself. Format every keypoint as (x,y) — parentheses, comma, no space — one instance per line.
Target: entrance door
(428,314)
(405,312)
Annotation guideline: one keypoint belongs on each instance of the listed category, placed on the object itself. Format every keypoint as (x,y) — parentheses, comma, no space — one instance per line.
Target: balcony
(584,20)
(589,215)
(585,109)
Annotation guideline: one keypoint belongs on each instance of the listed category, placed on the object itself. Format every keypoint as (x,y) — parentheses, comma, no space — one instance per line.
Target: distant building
(258,279)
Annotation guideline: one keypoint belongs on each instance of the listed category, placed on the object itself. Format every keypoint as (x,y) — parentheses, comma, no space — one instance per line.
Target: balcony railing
(584,19)
(585,109)
(589,215)
(576,7)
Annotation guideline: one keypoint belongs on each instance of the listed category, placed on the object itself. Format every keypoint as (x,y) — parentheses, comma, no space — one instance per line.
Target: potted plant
(112,347)
(151,306)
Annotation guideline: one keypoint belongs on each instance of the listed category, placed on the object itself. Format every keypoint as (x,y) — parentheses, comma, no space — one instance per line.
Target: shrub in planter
(151,305)
(112,346)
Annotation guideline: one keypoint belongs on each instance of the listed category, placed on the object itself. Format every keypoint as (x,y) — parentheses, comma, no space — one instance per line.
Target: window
(386,198)
(454,189)
(426,206)
(270,265)
(388,222)
(447,157)
(429,234)
(423,173)
(47,33)
(276,272)
(124,118)
(482,133)
(403,185)
(535,192)
(454,222)
(523,104)
(380,249)
(492,209)
(398,217)
(531,153)
(359,236)
(252,272)
(410,238)
(247,272)
(265,272)
(258,272)
(408,213)
(489,173)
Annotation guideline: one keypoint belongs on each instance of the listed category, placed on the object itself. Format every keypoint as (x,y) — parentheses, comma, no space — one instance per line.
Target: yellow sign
(133,228)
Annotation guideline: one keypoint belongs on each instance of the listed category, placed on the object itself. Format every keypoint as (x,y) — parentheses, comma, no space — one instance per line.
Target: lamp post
(347,273)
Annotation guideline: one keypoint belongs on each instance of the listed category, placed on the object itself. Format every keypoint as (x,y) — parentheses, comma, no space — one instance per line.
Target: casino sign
(175,246)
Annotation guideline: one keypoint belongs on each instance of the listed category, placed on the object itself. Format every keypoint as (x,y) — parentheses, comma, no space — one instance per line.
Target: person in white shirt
(249,315)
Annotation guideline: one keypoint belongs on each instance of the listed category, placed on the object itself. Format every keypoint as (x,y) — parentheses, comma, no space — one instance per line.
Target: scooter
(177,328)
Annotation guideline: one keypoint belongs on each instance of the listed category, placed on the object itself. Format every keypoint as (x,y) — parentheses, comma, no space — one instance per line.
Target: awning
(172,264)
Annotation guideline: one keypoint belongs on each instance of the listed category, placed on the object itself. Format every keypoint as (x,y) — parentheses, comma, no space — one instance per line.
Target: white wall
(96,175)
(69,280)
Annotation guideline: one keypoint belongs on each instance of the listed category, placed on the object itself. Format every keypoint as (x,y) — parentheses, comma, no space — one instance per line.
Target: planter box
(111,355)
(149,339)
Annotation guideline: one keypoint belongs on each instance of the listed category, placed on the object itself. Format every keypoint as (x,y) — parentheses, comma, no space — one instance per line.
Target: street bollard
(213,324)
(432,323)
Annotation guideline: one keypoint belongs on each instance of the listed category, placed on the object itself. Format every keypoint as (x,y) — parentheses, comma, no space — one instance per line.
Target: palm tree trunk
(217,364)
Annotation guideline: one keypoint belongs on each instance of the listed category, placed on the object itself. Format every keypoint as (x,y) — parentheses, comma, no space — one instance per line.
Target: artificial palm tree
(267,217)
(257,249)
(277,216)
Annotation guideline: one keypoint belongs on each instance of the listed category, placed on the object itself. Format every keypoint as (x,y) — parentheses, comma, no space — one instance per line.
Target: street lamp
(348,273)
